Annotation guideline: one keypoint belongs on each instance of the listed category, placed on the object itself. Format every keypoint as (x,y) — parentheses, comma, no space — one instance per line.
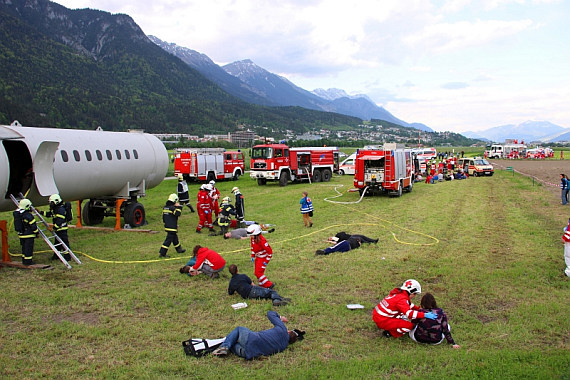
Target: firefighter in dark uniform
(59,218)
(183,196)
(170,213)
(240,212)
(29,231)
(224,217)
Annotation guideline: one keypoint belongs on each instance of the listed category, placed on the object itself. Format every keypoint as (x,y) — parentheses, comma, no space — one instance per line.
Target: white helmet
(25,204)
(180,176)
(203,187)
(208,187)
(412,286)
(226,200)
(212,182)
(55,199)
(235,189)
(173,198)
(254,229)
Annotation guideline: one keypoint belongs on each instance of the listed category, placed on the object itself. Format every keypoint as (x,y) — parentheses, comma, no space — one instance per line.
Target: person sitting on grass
(252,344)
(246,289)
(432,331)
(390,312)
(208,262)
(341,246)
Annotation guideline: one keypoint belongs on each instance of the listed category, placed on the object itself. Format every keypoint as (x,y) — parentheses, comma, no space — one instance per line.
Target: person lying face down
(252,344)
(341,246)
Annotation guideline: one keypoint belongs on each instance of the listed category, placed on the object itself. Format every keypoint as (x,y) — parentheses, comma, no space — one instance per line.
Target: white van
(347,166)
(425,153)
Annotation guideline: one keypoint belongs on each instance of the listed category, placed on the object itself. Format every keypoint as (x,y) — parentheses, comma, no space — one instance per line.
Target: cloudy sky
(454,65)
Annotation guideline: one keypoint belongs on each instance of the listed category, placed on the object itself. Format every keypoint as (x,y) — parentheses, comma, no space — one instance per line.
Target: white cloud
(445,37)
(403,54)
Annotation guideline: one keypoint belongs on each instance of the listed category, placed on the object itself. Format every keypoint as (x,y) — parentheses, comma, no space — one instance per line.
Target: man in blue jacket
(251,344)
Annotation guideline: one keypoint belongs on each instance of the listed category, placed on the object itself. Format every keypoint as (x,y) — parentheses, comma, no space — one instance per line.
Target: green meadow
(489,249)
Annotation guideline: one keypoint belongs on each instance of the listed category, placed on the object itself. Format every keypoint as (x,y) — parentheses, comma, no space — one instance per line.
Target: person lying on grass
(242,284)
(251,344)
(341,246)
(345,236)
(432,331)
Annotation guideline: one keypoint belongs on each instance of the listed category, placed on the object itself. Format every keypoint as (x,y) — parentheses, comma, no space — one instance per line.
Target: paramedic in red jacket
(390,312)
(208,262)
(261,253)
(204,206)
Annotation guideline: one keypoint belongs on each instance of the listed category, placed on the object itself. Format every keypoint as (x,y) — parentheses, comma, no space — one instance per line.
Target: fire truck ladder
(387,167)
(45,231)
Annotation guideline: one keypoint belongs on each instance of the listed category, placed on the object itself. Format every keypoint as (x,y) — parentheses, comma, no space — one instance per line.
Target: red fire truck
(207,164)
(387,169)
(278,162)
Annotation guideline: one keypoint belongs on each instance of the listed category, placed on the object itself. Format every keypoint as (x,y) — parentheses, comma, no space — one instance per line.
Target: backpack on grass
(199,347)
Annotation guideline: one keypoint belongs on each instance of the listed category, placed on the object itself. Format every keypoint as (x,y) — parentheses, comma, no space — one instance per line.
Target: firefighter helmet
(254,229)
(208,187)
(173,198)
(212,183)
(25,204)
(55,199)
(226,200)
(180,177)
(235,189)
(411,286)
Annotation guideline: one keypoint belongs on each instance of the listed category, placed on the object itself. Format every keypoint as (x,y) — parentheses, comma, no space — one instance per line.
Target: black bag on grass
(199,347)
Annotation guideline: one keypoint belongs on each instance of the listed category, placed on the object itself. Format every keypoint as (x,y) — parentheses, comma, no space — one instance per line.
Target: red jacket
(260,248)
(396,305)
(210,257)
(204,200)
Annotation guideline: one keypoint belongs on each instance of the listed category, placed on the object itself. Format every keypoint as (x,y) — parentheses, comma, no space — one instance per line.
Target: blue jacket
(306,205)
(268,342)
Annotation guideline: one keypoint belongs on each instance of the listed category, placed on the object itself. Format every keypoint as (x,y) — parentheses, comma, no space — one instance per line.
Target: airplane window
(136,154)
(88,155)
(76,155)
(99,155)
(64,156)
(118,152)
(109,155)
(127,155)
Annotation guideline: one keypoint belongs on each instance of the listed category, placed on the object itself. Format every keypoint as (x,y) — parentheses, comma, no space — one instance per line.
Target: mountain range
(529,131)
(260,86)
(86,68)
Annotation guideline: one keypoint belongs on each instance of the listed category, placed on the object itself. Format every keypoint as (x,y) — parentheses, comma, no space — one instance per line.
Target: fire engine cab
(387,170)
(278,162)
(207,164)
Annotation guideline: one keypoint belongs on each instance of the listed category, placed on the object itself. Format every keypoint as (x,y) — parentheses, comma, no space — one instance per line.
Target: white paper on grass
(354,306)
(239,305)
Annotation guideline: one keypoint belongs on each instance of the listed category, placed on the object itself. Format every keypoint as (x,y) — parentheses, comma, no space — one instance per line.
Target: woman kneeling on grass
(432,331)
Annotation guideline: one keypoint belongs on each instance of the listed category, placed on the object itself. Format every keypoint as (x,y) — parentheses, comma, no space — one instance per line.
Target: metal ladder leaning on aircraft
(52,236)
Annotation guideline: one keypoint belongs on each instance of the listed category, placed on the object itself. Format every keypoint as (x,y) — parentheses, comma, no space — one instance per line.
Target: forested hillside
(110,74)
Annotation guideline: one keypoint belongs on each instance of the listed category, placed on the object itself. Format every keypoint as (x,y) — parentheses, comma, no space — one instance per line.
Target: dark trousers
(62,234)
(27,250)
(171,238)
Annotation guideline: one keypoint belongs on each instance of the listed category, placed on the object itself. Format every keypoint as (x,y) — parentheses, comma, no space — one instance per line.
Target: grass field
(489,249)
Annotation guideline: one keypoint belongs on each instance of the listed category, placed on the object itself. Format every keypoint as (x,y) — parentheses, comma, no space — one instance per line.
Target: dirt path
(545,171)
